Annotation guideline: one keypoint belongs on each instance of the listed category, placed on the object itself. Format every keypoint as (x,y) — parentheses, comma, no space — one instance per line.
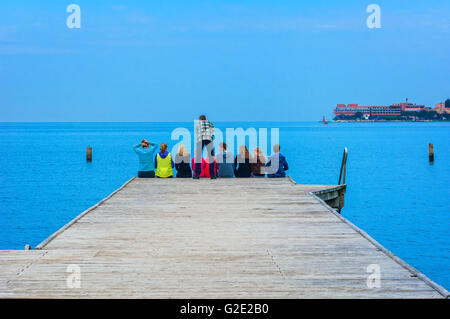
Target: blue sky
(232,60)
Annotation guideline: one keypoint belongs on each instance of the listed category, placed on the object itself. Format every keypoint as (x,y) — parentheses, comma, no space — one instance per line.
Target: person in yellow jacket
(163,163)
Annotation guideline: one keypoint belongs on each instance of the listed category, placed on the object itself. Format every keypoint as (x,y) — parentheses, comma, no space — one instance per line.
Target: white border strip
(73,221)
(388,253)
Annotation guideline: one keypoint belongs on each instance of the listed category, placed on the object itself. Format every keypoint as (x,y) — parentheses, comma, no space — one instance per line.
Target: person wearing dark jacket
(277,165)
(242,163)
(182,163)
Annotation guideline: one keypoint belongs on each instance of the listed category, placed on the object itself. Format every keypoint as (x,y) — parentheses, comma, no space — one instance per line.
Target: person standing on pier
(145,151)
(205,137)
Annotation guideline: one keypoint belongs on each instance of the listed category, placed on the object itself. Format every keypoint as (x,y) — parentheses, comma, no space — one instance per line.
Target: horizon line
(239,121)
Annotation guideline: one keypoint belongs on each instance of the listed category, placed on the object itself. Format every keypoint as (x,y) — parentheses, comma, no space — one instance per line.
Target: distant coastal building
(404,111)
(352,109)
(440,108)
(389,110)
(410,107)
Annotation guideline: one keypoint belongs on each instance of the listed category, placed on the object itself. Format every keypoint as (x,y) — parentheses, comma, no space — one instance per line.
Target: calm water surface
(393,192)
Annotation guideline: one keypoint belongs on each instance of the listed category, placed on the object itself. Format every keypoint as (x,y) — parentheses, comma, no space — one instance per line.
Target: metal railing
(343,167)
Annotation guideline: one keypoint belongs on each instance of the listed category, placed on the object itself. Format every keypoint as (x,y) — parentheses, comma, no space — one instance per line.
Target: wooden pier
(227,238)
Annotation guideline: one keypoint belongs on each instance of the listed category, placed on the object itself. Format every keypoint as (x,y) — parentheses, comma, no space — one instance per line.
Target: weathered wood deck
(228,238)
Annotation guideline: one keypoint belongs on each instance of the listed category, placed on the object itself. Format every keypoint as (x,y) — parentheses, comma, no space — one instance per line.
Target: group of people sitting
(224,164)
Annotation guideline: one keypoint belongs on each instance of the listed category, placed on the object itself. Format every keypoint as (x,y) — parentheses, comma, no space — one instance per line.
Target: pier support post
(341,201)
(431,153)
(89,154)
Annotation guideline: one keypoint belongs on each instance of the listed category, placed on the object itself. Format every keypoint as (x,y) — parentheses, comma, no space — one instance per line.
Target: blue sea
(394,193)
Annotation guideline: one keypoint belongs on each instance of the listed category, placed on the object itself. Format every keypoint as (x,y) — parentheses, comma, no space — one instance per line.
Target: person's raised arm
(152,146)
(137,148)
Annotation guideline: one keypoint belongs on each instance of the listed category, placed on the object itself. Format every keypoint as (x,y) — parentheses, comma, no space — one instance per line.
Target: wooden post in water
(431,153)
(89,154)
(343,166)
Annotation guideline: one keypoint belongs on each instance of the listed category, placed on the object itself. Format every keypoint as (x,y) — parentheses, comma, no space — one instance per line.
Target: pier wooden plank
(228,238)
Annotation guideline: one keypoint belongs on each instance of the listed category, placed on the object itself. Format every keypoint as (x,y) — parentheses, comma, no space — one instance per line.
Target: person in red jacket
(205,168)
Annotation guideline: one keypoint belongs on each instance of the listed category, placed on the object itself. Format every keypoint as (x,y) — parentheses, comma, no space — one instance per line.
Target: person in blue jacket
(145,151)
(225,162)
(277,164)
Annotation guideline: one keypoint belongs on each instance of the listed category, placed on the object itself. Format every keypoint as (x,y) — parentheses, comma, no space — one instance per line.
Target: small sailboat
(323,120)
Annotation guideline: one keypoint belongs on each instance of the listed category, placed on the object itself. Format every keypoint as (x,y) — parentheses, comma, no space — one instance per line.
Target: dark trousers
(198,157)
(146,174)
